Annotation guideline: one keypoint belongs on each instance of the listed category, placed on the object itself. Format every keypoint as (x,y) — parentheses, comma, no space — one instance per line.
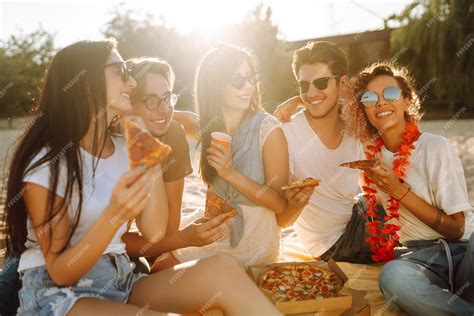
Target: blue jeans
(418,282)
(9,286)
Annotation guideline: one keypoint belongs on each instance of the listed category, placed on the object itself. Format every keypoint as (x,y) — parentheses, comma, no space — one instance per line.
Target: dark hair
(353,113)
(214,73)
(141,67)
(73,95)
(323,52)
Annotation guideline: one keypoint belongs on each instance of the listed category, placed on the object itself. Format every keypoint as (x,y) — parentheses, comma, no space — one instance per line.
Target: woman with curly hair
(421,183)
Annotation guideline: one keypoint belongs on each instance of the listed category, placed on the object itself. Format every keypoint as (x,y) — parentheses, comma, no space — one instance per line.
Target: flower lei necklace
(383,236)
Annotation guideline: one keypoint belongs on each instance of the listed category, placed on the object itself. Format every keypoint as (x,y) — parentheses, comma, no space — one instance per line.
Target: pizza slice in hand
(215,205)
(144,149)
(360,164)
(308,182)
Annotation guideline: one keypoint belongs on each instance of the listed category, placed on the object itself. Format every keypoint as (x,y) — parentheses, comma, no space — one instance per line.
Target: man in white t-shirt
(332,224)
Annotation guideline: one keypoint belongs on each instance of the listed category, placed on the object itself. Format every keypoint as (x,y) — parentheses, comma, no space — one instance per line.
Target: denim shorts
(112,279)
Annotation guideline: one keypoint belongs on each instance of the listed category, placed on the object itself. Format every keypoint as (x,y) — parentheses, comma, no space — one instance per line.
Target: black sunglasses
(238,82)
(153,102)
(320,84)
(124,71)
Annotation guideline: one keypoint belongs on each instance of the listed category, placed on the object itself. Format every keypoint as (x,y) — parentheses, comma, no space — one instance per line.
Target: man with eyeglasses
(332,224)
(153,100)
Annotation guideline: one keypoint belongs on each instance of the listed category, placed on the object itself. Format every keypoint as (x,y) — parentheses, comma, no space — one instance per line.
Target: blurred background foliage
(435,38)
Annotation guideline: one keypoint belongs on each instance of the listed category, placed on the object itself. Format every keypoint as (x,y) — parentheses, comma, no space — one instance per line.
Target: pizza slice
(360,164)
(144,149)
(308,182)
(215,205)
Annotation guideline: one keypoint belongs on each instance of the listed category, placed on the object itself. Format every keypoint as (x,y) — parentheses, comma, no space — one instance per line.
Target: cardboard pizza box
(359,307)
(341,303)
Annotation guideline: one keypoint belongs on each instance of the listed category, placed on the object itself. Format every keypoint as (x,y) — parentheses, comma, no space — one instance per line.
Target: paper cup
(221,138)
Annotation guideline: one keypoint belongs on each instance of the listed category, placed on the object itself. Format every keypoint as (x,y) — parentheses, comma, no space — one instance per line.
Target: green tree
(436,38)
(149,36)
(258,34)
(23,61)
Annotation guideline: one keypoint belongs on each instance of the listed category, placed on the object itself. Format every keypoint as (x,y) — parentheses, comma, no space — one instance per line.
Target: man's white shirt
(329,209)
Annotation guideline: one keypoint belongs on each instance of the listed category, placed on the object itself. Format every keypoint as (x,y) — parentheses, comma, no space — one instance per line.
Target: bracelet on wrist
(408,190)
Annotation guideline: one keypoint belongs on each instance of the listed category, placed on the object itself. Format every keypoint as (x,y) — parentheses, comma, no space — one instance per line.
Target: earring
(114,120)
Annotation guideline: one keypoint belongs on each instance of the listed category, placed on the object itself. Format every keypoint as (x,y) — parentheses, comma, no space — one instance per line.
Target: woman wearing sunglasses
(249,174)
(420,180)
(71,196)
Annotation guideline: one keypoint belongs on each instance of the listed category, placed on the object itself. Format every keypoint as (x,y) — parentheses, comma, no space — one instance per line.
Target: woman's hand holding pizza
(130,195)
(201,232)
(386,180)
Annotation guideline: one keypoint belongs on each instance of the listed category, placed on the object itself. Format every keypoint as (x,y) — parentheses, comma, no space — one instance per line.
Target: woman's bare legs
(164,262)
(94,306)
(197,286)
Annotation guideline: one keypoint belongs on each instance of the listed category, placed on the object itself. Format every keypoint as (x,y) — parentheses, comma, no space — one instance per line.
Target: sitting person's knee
(224,261)
(392,277)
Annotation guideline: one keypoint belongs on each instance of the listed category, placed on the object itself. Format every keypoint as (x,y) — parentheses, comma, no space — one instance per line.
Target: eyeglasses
(320,84)
(153,102)
(371,98)
(238,82)
(124,71)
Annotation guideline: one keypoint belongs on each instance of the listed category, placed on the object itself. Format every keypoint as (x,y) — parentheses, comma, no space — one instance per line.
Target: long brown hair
(72,97)
(214,73)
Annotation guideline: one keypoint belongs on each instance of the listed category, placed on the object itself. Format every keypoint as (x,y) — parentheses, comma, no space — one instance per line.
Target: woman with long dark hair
(249,174)
(70,196)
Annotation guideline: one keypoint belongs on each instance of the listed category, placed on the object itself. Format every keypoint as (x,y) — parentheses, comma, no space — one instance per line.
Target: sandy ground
(460,133)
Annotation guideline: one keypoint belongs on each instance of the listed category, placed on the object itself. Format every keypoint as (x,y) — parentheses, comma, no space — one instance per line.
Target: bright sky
(74,20)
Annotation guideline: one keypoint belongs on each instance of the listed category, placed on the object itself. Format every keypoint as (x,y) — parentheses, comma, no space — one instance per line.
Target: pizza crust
(308,182)
(361,164)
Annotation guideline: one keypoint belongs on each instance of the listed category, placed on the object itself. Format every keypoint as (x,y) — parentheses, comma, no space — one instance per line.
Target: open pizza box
(349,302)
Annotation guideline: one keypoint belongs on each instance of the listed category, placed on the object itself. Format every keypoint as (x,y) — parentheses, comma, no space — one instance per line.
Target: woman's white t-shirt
(97,191)
(435,174)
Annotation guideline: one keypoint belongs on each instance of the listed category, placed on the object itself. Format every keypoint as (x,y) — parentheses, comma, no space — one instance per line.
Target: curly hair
(353,114)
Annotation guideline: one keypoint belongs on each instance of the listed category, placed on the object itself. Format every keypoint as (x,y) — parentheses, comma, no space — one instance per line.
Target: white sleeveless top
(324,219)
(260,243)
(96,196)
